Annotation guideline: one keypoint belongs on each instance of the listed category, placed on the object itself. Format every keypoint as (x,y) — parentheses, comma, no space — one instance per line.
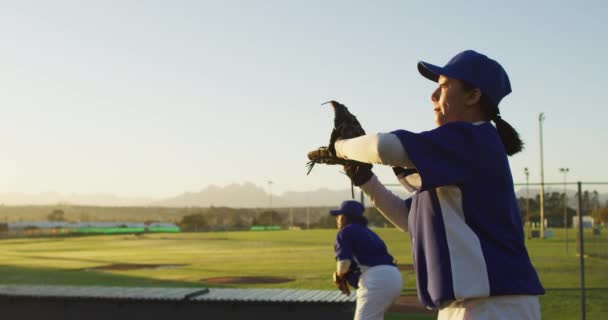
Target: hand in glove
(358,172)
(341,283)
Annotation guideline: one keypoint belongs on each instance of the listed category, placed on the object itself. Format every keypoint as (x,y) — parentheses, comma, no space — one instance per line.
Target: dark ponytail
(508,135)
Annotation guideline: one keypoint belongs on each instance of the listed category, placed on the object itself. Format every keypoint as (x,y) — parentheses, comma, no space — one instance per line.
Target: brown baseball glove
(325,156)
(346,126)
(341,283)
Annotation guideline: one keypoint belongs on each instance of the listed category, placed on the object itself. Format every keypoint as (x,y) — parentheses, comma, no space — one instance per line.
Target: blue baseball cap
(349,207)
(474,68)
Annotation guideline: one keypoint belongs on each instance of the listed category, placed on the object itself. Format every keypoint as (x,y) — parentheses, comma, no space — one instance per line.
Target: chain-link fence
(570,249)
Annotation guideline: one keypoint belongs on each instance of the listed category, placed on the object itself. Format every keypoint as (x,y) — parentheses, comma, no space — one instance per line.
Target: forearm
(342,266)
(391,206)
(379,148)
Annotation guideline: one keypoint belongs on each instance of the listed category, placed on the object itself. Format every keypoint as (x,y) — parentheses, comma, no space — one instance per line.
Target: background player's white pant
(495,308)
(379,287)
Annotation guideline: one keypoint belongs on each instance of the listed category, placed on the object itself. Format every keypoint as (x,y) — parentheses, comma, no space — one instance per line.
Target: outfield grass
(305,256)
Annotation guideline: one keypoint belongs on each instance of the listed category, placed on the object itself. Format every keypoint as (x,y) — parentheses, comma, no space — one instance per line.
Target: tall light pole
(270,196)
(527,173)
(541,117)
(565,171)
(307,210)
(270,192)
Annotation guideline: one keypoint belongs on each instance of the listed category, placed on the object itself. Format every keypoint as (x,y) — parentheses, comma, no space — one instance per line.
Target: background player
(358,248)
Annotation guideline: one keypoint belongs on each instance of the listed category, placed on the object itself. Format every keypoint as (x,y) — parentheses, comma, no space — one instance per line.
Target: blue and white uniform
(359,243)
(463,218)
(380,281)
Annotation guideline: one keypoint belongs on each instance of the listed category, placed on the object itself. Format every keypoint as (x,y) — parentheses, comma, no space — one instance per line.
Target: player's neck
(474,115)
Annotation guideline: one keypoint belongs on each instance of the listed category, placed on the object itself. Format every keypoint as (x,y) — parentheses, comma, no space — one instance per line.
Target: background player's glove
(341,283)
(358,172)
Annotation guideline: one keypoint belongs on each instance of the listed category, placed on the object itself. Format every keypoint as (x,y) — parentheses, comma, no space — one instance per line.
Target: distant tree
(590,202)
(534,208)
(595,205)
(193,222)
(376,219)
(149,222)
(326,222)
(596,198)
(554,203)
(3,227)
(598,214)
(56,215)
(554,209)
(602,215)
(236,220)
(268,218)
(586,202)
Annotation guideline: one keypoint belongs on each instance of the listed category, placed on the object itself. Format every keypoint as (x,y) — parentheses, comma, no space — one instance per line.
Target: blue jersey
(360,244)
(465,224)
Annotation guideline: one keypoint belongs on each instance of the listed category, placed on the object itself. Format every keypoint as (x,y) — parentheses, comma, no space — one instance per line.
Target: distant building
(588,222)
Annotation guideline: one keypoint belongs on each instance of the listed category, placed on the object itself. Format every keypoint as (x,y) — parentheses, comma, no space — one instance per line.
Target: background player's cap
(474,68)
(349,207)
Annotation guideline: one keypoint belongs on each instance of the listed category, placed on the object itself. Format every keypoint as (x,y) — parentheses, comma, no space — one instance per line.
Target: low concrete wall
(107,303)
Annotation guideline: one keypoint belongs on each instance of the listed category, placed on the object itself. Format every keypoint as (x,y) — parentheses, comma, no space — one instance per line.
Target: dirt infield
(130,266)
(246,280)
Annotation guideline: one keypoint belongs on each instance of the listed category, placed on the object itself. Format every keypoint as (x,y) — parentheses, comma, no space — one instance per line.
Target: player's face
(340,220)
(449,101)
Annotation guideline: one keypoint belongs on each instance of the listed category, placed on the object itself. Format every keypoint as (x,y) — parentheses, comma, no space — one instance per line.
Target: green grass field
(305,256)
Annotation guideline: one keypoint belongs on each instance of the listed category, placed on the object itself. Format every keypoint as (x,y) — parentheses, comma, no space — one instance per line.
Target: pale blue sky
(154,98)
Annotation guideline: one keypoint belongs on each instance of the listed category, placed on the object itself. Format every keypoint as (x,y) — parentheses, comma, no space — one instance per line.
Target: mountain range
(246,195)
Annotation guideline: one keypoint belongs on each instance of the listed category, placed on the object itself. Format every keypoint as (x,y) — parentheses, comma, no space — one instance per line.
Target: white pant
(495,308)
(379,287)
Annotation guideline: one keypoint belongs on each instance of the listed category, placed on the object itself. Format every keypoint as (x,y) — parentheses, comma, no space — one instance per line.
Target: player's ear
(473,97)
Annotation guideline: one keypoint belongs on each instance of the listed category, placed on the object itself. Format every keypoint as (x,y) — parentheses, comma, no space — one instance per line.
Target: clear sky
(155,98)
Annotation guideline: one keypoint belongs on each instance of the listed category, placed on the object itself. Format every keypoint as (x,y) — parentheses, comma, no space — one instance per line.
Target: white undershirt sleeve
(342,266)
(378,148)
(391,206)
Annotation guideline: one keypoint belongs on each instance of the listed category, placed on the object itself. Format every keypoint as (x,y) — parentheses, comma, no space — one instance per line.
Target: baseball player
(463,217)
(364,262)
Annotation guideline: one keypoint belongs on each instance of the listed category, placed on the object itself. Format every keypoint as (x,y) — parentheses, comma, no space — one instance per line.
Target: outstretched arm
(378,148)
(392,207)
